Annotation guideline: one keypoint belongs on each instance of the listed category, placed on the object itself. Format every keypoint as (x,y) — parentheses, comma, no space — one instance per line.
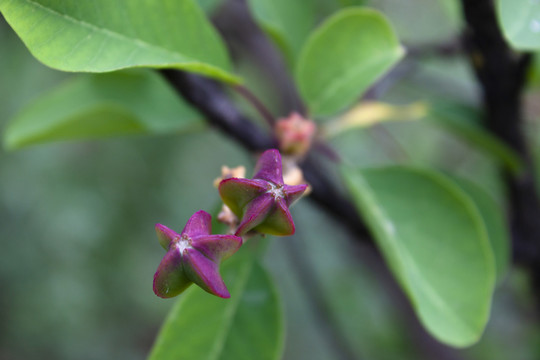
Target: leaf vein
(110,33)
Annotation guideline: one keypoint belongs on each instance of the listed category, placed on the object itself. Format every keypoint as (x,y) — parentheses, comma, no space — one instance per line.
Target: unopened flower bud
(295,134)
(262,203)
(193,256)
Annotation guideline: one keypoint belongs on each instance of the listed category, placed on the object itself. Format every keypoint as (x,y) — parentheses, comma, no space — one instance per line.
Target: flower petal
(205,273)
(198,224)
(279,222)
(237,193)
(293,192)
(165,235)
(269,167)
(169,279)
(217,247)
(255,213)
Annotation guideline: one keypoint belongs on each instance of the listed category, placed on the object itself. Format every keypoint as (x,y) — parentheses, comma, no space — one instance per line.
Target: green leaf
(442,24)
(520,22)
(104,35)
(209,6)
(343,57)
(465,121)
(492,214)
(287,22)
(247,326)
(435,243)
(102,105)
(351,2)
(459,119)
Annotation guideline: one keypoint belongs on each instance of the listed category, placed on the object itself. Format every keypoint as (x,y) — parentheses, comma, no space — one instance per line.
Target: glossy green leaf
(493,216)
(104,35)
(435,243)
(102,105)
(520,22)
(343,57)
(287,22)
(247,326)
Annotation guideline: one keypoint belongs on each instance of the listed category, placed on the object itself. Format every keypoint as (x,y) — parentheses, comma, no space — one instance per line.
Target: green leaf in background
(459,119)
(465,121)
(102,105)
(351,2)
(209,6)
(287,22)
(343,57)
(533,77)
(492,214)
(442,25)
(104,35)
(247,326)
(520,22)
(444,261)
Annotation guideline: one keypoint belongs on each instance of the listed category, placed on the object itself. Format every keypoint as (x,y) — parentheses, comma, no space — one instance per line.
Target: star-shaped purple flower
(262,203)
(193,256)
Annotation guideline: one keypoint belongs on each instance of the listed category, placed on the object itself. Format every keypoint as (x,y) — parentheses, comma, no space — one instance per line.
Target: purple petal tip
(268,167)
(165,235)
(199,223)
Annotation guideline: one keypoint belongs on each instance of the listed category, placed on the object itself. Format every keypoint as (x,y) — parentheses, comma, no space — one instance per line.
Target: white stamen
(276,191)
(183,243)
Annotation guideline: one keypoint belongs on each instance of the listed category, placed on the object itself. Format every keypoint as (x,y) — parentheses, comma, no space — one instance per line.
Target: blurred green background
(78,248)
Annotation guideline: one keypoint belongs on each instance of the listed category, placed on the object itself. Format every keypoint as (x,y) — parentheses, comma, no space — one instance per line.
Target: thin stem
(327,150)
(395,150)
(211,101)
(257,104)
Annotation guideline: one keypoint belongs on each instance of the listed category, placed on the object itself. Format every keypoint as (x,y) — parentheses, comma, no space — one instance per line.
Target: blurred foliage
(520,23)
(440,20)
(93,106)
(78,244)
(79,250)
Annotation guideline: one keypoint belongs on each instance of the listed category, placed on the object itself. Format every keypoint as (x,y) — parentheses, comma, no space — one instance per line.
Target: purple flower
(262,203)
(193,256)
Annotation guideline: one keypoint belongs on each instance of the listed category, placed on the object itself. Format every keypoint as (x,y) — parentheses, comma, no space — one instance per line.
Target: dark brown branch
(247,42)
(210,100)
(208,97)
(450,48)
(501,74)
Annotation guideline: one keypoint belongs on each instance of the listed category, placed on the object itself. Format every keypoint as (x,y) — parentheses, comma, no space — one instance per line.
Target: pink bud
(295,134)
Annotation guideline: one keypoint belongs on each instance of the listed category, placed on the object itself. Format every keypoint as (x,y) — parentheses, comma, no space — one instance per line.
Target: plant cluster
(193,256)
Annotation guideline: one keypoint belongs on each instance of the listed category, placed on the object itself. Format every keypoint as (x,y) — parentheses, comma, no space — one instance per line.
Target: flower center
(276,191)
(184,242)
